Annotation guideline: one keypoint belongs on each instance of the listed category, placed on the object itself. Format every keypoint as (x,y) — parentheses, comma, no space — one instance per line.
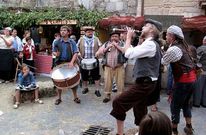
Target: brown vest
(184,65)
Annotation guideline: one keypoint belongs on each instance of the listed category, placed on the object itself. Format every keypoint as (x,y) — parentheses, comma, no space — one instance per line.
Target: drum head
(88,61)
(63,72)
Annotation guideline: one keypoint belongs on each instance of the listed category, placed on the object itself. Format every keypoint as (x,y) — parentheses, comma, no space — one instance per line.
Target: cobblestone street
(72,118)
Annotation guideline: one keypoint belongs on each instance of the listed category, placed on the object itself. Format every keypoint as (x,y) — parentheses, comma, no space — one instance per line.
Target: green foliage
(27,19)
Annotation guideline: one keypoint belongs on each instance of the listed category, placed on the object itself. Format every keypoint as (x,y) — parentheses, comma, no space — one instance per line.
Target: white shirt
(18,40)
(24,42)
(3,44)
(146,49)
(30,51)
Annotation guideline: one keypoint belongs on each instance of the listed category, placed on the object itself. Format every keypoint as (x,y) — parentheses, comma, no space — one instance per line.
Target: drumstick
(80,58)
(17,68)
(31,66)
(24,63)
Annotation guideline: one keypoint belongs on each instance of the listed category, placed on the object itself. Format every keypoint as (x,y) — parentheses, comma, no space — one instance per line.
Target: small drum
(89,64)
(64,77)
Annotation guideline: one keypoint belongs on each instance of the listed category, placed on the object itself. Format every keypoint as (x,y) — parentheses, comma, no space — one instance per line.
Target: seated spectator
(155,123)
(26,82)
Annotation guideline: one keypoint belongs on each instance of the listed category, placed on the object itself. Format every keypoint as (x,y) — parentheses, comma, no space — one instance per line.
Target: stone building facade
(186,8)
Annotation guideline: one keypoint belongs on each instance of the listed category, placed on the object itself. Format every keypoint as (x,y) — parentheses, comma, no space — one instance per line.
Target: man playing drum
(88,46)
(66,51)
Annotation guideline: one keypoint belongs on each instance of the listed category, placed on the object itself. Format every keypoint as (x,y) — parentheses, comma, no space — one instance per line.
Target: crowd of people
(16,51)
(182,59)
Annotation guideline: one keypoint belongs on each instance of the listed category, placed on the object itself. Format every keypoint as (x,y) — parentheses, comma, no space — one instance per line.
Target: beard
(89,36)
(113,40)
(143,34)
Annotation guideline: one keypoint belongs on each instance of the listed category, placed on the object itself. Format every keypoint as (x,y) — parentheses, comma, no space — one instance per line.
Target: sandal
(58,101)
(2,81)
(16,105)
(38,101)
(77,100)
(106,100)
(86,90)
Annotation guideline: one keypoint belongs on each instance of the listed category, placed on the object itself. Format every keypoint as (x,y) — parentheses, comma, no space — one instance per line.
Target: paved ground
(49,119)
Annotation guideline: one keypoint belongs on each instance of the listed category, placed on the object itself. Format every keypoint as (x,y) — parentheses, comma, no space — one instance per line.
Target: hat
(86,28)
(8,28)
(113,31)
(176,31)
(204,38)
(157,24)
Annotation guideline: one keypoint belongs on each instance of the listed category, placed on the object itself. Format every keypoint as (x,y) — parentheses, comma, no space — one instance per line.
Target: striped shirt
(89,45)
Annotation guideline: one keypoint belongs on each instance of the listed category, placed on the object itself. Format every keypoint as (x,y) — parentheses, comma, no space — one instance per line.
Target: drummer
(88,46)
(66,51)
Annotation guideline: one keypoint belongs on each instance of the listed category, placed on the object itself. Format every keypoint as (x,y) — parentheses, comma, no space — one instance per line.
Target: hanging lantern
(40,29)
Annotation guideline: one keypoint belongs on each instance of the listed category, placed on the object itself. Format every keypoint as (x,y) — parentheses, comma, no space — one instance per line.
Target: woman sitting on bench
(26,82)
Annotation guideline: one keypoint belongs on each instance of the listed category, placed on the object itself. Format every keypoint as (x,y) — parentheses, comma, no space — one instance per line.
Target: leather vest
(184,65)
(148,66)
(120,58)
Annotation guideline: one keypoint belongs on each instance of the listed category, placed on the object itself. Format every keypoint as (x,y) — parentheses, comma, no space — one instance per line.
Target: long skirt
(199,97)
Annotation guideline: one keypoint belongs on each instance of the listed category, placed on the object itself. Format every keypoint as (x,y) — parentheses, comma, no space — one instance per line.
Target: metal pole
(142,8)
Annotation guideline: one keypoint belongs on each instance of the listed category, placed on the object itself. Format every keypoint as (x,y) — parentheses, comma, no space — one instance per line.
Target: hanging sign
(58,22)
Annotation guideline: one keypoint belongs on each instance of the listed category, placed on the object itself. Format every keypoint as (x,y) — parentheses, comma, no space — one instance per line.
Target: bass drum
(64,77)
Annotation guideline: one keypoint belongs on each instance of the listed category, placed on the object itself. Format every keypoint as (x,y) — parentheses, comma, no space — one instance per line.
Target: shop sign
(58,22)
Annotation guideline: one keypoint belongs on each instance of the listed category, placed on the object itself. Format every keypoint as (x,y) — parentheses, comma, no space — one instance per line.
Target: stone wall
(17,3)
(187,8)
(122,7)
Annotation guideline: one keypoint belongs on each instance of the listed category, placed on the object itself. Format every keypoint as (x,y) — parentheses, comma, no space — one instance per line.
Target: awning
(135,22)
(194,23)
(138,22)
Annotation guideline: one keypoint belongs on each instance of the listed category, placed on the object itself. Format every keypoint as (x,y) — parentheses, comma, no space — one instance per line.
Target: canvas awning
(194,23)
(135,22)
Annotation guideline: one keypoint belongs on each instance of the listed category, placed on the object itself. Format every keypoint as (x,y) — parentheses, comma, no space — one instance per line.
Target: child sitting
(26,82)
